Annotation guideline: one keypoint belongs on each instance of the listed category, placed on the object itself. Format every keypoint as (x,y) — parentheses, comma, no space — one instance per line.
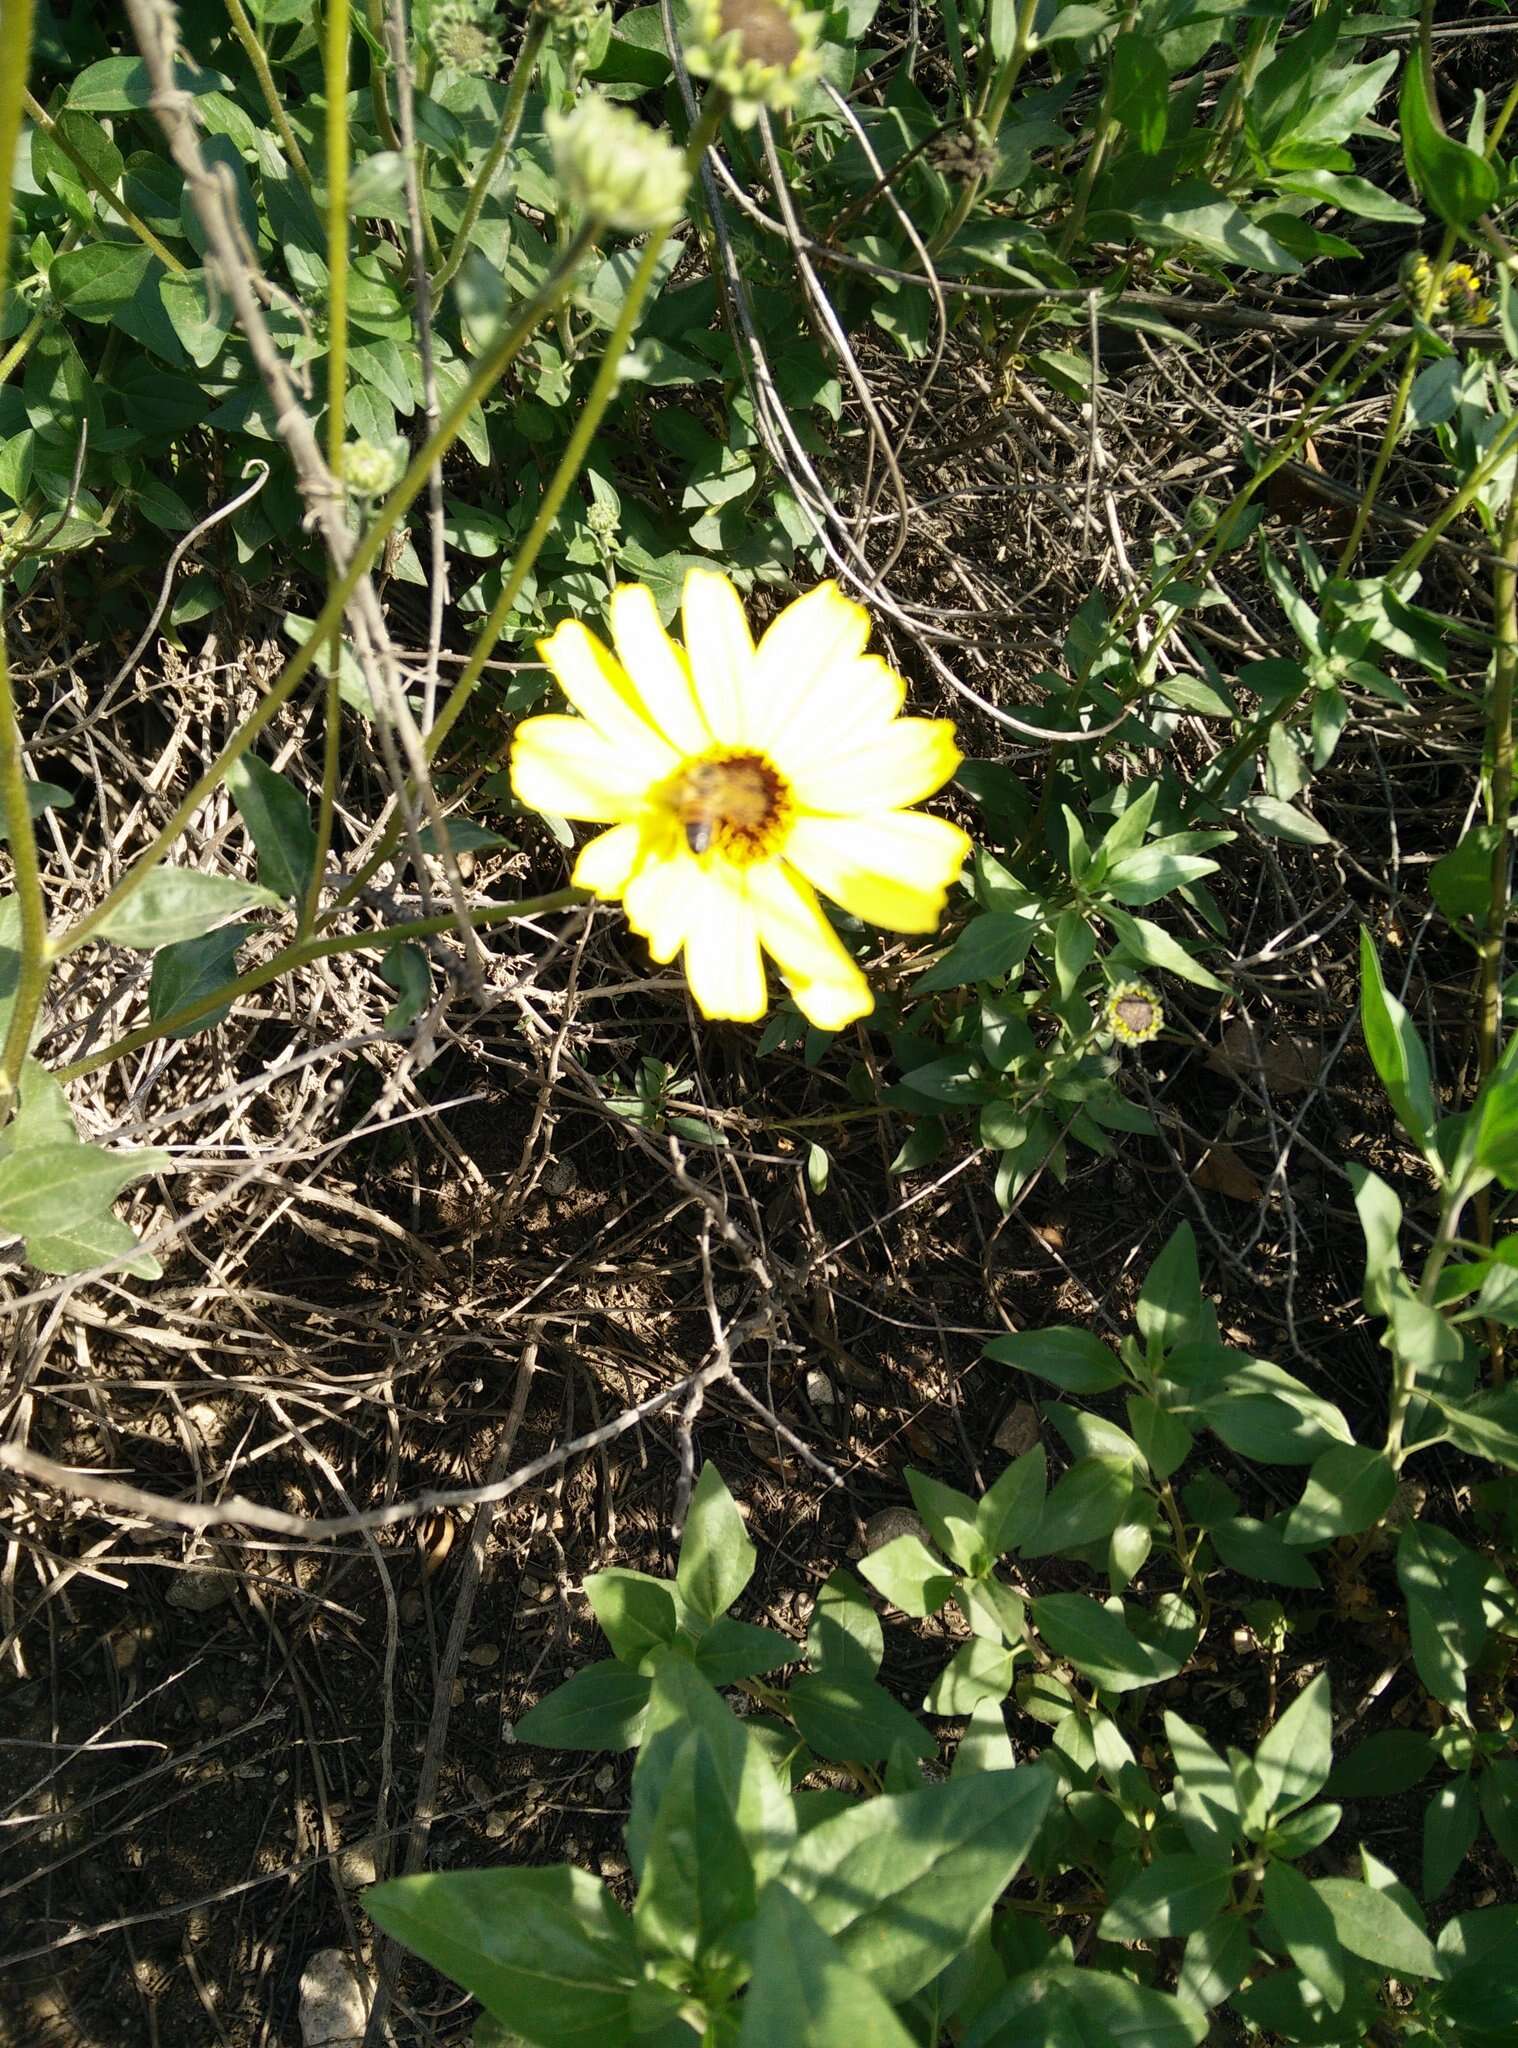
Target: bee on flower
(737,781)
(1460,296)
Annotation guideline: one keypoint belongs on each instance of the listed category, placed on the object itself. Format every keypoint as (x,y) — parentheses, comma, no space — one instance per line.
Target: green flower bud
(460,36)
(615,168)
(761,53)
(369,471)
(602,520)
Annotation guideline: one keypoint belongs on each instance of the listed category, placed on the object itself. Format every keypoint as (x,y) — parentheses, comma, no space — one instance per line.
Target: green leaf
(1485,1424)
(1348,1489)
(1194,215)
(1371,1924)
(1450,1824)
(1295,1756)
(636,1612)
(909,1575)
(1175,1895)
(1267,1415)
(803,1994)
(1260,1551)
(548,1952)
(1275,819)
(845,1632)
(95,282)
(902,1880)
(1073,1359)
(1060,2006)
(404,968)
(276,816)
(1010,1509)
(1170,1301)
(1395,1048)
(1218,1958)
(1458,183)
(56,1192)
(121,85)
(988,948)
(1303,1921)
(1140,87)
(1153,871)
(1205,1798)
(1460,881)
(1498,1790)
(951,1520)
(985,1744)
(1100,1643)
(191,971)
(1151,947)
(179,903)
(848,1718)
(732,1649)
(600,1707)
(1496,1129)
(696,1884)
(978,1670)
(716,1557)
(1382,1765)
(1085,1505)
(1442,1583)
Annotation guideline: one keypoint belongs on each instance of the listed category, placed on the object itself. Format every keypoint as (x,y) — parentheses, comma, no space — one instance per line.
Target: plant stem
(994,114)
(505,138)
(99,187)
(302,952)
(1405,1382)
(16,811)
(608,371)
(246,34)
(489,372)
(379,95)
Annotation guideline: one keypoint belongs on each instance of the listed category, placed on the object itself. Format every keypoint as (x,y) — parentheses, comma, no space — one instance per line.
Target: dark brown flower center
(736,802)
(766,33)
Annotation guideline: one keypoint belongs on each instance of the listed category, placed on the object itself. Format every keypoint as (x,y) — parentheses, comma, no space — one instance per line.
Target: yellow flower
(1134,1013)
(737,781)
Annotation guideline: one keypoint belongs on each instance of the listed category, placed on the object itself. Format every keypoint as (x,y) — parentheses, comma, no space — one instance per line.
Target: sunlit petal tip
(720,650)
(565,767)
(606,864)
(830,1006)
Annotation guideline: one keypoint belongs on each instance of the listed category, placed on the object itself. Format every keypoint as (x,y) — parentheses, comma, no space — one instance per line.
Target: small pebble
(612,1863)
(483,1655)
(356,1867)
(820,1390)
(888,1524)
(495,1826)
(333,2004)
(1017,1432)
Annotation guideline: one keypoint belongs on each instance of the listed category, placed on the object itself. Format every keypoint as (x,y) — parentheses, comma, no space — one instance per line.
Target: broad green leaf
(1260,1551)
(951,1520)
(548,1952)
(1217,1959)
(1205,1799)
(56,1192)
(1194,215)
(978,1670)
(1395,1049)
(732,1649)
(636,1612)
(844,1632)
(848,1718)
(1451,1821)
(600,1707)
(1370,1924)
(1153,871)
(716,1557)
(404,968)
(1308,1829)
(180,903)
(1392,1761)
(1460,881)
(276,816)
(902,1880)
(121,85)
(1070,1358)
(1010,1508)
(1175,1895)
(95,282)
(1086,1504)
(1303,1921)
(1169,1308)
(1486,1424)
(1442,1583)
(191,971)
(1099,1643)
(1348,1489)
(1147,944)
(1140,90)
(1060,2006)
(1276,819)
(696,1884)
(1294,1756)
(909,1575)
(988,948)
(1380,1214)
(1164,1439)
(803,1994)
(985,1744)
(1269,1416)
(1457,183)
(1498,1790)
(1496,1129)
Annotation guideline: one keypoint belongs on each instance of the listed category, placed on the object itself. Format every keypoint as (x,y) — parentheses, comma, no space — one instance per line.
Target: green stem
(1405,1382)
(608,370)
(379,93)
(491,368)
(505,139)
(99,187)
(32,972)
(995,113)
(243,29)
(301,954)
(21,347)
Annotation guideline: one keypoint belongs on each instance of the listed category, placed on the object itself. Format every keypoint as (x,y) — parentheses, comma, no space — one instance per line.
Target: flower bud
(369,471)
(615,168)
(760,53)
(460,35)
(1134,1013)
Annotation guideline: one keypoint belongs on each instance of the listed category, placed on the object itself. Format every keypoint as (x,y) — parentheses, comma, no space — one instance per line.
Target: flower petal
(656,902)
(607,863)
(829,989)
(892,869)
(722,960)
(565,766)
(720,651)
(801,654)
(903,763)
(657,668)
(596,685)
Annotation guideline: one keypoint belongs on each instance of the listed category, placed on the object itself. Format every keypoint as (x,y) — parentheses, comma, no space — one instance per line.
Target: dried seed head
(761,53)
